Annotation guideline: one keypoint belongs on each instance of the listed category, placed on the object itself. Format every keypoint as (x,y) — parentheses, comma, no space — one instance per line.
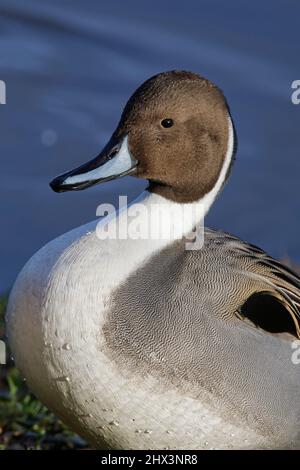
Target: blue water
(69,67)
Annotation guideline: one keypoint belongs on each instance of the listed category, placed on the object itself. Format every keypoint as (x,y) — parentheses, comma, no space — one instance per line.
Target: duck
(144,329)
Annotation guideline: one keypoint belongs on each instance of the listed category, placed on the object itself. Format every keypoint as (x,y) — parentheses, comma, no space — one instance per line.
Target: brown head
(174,131)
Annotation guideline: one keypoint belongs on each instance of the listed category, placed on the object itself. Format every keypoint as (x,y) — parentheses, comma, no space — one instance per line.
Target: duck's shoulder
(248,282)
(222,248)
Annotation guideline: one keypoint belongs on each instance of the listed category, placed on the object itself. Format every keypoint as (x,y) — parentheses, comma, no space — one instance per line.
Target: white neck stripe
(210,197)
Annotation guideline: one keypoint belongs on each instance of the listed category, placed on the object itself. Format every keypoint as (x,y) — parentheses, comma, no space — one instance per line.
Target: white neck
(150,219)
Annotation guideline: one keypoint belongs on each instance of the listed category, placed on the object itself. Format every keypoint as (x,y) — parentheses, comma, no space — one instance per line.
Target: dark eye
(167,122)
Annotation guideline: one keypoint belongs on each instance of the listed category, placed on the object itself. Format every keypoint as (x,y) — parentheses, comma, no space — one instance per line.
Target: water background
(69,67)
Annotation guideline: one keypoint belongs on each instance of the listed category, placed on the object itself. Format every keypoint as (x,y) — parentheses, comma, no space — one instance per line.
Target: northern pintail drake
(150,342)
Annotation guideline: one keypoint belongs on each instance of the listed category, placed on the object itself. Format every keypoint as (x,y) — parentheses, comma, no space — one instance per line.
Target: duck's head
(175,131)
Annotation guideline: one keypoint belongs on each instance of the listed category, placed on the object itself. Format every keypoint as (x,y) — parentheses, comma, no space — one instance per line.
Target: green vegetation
(25,423)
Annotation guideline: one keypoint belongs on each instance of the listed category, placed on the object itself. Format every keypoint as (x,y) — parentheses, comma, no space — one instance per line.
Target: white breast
(55,316)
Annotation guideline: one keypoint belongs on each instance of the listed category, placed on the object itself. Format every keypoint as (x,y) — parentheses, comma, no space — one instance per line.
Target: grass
(25,423)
